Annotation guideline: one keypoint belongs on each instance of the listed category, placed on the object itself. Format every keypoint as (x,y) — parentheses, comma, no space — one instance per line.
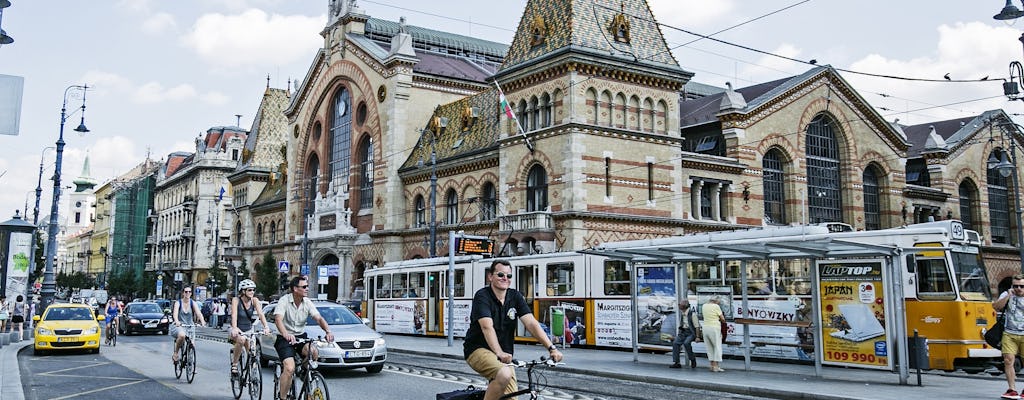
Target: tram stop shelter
(821,244)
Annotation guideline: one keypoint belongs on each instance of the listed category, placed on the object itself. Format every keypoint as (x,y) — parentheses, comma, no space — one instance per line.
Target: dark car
(164,304)
(143,317)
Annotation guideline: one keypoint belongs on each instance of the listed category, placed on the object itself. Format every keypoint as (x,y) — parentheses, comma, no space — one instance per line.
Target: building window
(273,233)
(451,201)
(872,203)
(917,173)
(259,234)
(238,234)
(608,177)
(823,183)
(968,202)
(998,204)
(774,188)
(421,212)
(650,181)
(706,198)
(537,189)
(488,202)
(545,111)
(341,140)
(366,174)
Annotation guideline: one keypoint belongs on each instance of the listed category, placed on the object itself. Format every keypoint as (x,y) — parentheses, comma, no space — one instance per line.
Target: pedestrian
(1011,303)
(488,345)
(221,310)
(5,313)
(214,313)
(18,316)
(713,320)
(687,331)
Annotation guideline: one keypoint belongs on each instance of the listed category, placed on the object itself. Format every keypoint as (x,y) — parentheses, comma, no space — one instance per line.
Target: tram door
(526,283)
(434,291)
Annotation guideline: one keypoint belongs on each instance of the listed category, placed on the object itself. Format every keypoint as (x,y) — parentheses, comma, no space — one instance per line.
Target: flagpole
(514,118)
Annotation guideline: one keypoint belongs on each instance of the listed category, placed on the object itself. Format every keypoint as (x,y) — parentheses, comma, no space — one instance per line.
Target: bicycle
(187,355)
(112,333)
(533,387)
(249,368)
(314,387)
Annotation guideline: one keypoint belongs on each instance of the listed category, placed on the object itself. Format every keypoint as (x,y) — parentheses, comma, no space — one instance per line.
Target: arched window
(594,104)
(872,199)
(824,198)
(523,116)
(968,203)
(545,111)
(451,202)
(259,234)
(774,188)
(420,217)
(534,114)
(312,188)
(238,234)
(341,140)
(366,174)
(998,203)
(488,202)
(537,189)
(273,233)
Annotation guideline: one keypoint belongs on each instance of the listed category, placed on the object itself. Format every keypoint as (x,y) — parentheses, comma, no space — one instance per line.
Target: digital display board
(464,245)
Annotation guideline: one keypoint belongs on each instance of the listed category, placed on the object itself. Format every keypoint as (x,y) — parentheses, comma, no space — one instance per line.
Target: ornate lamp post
(437,127)
(49,283)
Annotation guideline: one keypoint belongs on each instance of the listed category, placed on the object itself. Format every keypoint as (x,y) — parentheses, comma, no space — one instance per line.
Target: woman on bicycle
(184,311)
(113,309)
(245,309)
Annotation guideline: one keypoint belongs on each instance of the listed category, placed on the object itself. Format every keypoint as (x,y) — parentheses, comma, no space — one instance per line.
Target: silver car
(356,345)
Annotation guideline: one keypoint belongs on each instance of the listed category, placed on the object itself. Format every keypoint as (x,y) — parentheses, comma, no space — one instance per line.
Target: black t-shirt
(505,317)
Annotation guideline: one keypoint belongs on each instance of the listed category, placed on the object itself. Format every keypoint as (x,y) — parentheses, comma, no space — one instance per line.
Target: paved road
(66,376)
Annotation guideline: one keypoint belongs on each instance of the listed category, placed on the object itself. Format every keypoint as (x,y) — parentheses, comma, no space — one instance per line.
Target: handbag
(725,331)
(469,393)
(994,335)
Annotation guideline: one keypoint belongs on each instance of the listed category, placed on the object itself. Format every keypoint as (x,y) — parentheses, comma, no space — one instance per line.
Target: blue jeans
(683,340)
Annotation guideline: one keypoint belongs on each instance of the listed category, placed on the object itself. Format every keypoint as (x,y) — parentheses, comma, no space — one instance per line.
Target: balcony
(531,221)
(151,239)
(232,251)
(188,231)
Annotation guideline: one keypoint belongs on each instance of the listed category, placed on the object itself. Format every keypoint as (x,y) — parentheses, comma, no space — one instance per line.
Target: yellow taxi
(67,327)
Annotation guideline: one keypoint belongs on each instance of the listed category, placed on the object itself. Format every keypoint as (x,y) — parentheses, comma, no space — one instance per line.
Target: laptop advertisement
(853,314)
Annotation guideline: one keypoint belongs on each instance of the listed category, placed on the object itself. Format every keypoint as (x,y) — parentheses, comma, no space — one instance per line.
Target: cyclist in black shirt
(489,342)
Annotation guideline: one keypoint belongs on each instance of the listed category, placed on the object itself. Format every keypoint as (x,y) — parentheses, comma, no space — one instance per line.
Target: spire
(84,181)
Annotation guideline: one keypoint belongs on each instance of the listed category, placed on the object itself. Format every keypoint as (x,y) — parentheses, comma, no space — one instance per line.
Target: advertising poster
(794,343)
(724,293)
(656,305)
(399,316)
(460,316)
(17,263)
(853,320)
(612,323)
(575,317)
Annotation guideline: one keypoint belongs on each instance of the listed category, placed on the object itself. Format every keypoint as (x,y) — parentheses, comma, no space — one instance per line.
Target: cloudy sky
(162,72)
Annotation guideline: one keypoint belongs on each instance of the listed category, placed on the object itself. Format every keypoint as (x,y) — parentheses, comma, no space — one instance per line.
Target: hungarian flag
(507,108)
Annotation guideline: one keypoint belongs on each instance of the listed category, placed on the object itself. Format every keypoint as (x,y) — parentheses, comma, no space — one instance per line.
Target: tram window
(416,285)
(933,280)
(972,276)
(616,278)
(399,285)
(702,273)
(460,283)
(561,279)
(384,286)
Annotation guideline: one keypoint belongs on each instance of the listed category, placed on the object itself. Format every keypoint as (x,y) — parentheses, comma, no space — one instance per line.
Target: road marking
(99,390)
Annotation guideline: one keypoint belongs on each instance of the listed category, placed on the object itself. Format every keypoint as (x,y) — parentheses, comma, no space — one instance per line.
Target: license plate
(358,353)
(68,339)
(150,325)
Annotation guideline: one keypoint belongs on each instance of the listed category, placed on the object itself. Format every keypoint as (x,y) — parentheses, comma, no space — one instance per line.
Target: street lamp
(51,240)
(4,39)
(437,127)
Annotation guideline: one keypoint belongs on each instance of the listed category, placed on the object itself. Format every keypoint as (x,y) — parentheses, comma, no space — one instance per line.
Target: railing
(151,239)
(530,221)
(188,231)
(232,252)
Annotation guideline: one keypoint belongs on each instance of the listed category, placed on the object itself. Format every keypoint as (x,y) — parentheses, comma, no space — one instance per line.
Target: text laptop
(863,324)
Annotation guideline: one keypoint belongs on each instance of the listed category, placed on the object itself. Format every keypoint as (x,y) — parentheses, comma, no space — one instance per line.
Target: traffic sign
(159,277)
(159,287)
(304,270)
(284,267)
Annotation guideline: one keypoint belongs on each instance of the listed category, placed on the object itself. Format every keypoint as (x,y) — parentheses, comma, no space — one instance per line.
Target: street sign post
(284,267)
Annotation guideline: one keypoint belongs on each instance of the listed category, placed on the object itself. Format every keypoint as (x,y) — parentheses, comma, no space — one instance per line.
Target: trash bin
(917,351)
(557,321)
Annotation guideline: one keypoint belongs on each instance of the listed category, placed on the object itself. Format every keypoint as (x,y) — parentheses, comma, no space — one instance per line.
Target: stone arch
(592,105)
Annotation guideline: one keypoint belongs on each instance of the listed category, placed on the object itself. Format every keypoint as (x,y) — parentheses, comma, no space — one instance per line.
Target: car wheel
(373,369)
(96,351)
(38,352)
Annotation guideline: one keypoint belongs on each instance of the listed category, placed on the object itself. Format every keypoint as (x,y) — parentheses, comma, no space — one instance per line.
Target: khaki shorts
(1012,344)
(486,363)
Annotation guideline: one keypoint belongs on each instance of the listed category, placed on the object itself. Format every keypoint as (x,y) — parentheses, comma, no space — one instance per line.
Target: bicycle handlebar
(543,360)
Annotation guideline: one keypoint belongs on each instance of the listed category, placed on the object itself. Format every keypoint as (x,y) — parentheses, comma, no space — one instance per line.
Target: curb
(10,371)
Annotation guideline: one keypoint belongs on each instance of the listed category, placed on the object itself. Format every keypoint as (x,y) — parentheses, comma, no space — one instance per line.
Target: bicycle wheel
(190,361)
(255,378)
(238,380)
(277,379)
(113,337)
(316,388)
(179,366)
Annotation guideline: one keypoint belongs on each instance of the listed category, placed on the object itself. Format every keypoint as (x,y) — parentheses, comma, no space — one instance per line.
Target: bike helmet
(247,284)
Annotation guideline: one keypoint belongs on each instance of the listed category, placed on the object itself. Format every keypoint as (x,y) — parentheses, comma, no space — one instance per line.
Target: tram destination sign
(474,245)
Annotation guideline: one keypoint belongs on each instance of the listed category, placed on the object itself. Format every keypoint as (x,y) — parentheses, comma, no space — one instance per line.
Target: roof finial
(268,81)
(238,119)
(401,24)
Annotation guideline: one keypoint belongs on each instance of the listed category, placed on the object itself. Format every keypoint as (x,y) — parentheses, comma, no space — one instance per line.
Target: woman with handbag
(714,321)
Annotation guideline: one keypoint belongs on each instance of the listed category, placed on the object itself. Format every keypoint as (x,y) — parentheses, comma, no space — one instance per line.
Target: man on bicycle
(245,309)
(112,310)
(290,318)
(489,342)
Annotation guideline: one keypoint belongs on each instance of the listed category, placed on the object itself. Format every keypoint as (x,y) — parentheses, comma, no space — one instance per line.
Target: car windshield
(335,315)
(144,308)
(68,314)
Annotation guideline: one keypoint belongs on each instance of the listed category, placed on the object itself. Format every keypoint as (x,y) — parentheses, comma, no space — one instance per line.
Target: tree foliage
(123,283)
(220,279)
(266,276)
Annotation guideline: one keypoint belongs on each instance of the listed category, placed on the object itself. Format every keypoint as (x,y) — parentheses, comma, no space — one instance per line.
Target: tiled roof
(952,130)
(428,39)
(269,131)
(585,25)
(703,110)
(462,136)
(275,191)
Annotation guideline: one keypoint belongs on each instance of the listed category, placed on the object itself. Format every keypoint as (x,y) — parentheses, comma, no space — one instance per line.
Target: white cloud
(154,92)
(104,83)
(254,37)
(159,23)
(691,13)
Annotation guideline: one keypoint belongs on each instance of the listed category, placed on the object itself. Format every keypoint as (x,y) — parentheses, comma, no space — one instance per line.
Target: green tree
(220,276)
(146,284)
(78,280)
(122,283)
(243,270)
(266,276)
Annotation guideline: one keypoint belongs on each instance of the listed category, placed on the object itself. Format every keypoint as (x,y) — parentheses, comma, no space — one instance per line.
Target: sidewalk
(10,372)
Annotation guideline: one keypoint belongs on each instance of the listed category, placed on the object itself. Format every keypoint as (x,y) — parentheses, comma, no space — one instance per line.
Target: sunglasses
(503,275)
(1018,286)
(250,290)
(187,291)
(304,286)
